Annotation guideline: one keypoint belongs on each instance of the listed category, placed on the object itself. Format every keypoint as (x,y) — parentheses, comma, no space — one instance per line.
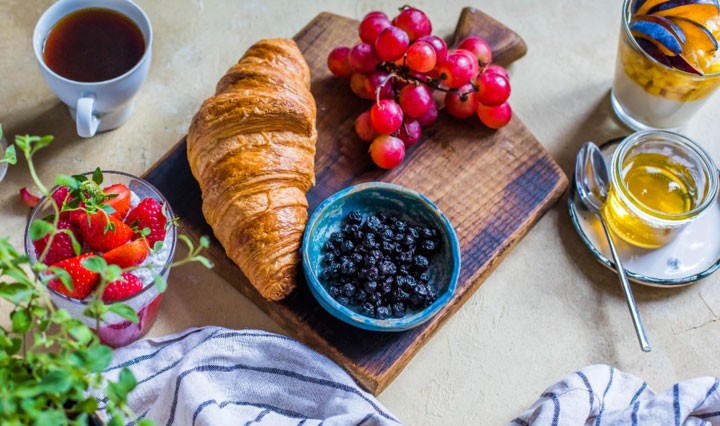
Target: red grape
(493,89)
(338,62)
(410,132)
(415,100)
(363,58)
(429,117)
(421,57)
(459,107)
(478,47)
(474,66)
(497,69)
(387,151)
(391,44)
(457,69)
(363,127)
(441,49)
(376,13)
(375,80)
(359,85)
(414,22)
(495,117)
(386,116)
(371,26)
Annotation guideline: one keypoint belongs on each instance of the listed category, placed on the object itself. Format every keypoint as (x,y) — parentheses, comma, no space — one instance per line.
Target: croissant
(251,148)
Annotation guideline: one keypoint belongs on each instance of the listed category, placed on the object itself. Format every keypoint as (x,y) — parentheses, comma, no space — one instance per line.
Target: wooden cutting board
(492,185)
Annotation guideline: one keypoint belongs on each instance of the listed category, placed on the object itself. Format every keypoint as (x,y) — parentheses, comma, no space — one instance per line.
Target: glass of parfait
(659,182)
(668,62)
(115,330)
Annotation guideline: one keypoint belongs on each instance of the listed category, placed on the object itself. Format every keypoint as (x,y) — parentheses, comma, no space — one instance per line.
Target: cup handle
(86,122)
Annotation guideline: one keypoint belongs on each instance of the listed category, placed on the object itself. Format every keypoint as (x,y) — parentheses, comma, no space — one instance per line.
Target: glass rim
(626,13)
(688,144)
(171,215)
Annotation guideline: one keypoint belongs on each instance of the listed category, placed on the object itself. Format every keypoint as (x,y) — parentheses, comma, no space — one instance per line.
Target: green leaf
(21,321)
(126,380)
(124,311)
(39,229)
(116,421)
(56,381)
(87,406)
(146,422)
(204,241)
(62,275)
(80,178)
(160,283)
(22,142)
(98,358)
(108,209)
(15,293)
(145,232)
(14,347)
(65,180)
(97,176)
(158,245)
(205,262)
(50,417)
(10,155)
(80,332)
(95,264)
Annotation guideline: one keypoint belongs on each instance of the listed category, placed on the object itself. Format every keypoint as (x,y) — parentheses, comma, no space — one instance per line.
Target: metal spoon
(592,183)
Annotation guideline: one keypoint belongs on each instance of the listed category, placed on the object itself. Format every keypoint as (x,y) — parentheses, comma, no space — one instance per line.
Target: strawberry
(83,280)
(121,203)
(125,287)
(62,196)
(128,255)
(92,227)
(61,248)
(148,214)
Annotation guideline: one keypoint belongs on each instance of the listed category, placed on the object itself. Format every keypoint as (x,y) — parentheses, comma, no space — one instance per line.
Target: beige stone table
(548,310)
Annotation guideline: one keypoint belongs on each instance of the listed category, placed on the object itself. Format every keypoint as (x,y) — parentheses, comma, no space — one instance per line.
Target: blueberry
(354,217)
(404,270)
(416,300)
(428,246)
(368,309)
(420,262)
(406,282)
(409,240)
(372,273)
(414,232)
(382,216)
(347,246)
(369,241)
(405,257)
(399,295)
(358,235)
(328,259)
(400,225)
(386,287)
(326,275)
(420,290)
(370,260)
(377,254)
(398,310)
(370,286)
(347,267)
(360,297)
(334,291)
(372,224)
(357,258)
(343,300)
(382,312)
(387,234)
(336,238)
(328,246)
(388,247)
(387,268)
(334,269)
(399,237)
(426,233)
(424,277)
(431,294)
(348,290)
(377,298)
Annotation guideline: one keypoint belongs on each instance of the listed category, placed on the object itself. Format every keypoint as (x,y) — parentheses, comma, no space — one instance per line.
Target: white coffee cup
(103,105)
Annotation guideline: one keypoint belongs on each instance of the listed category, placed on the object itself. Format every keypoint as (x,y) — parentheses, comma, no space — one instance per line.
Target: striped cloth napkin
(602,395)
(216,376)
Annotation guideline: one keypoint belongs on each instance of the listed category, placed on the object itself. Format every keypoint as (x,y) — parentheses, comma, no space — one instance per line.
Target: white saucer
(693,255)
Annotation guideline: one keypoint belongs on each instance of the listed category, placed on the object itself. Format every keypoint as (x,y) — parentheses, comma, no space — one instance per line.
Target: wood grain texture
(507,45)
(492,185)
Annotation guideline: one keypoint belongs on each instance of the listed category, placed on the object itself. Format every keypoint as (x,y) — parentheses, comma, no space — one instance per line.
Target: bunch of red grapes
(399,64)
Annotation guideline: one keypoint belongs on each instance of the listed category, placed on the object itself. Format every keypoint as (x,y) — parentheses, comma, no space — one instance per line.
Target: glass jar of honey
(660,182)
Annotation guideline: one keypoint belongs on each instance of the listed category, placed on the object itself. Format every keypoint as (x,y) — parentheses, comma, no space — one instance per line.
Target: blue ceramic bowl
(369,198)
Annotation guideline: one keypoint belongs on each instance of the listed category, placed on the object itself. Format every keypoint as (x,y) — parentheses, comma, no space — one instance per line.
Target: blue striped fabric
(215,376)
(625,400)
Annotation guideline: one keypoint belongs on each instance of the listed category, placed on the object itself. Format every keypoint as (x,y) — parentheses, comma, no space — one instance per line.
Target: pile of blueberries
(379,263)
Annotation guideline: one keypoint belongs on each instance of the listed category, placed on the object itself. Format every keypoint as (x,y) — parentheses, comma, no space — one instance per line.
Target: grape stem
(402,72)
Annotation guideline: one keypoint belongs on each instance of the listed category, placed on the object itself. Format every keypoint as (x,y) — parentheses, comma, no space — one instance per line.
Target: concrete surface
(548,310)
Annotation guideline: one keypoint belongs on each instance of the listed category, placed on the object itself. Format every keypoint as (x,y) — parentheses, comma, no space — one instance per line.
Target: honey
(660,181)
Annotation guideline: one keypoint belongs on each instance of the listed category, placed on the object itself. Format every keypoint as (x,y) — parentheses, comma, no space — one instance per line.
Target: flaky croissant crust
(251,148)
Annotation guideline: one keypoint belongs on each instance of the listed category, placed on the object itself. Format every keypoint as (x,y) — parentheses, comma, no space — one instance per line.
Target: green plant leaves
(124,311)
(95,264)
(56,382)
(80,332)
(39,229)
(160,283)
(16,293)
(98,358)
(97,176)
(21,320)
(10,156)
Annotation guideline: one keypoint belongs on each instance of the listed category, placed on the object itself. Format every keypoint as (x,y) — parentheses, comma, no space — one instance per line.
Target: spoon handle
(639,329)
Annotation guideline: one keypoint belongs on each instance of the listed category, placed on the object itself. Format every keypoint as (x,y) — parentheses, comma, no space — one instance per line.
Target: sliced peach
(698,37)
(697,10)
(641,7)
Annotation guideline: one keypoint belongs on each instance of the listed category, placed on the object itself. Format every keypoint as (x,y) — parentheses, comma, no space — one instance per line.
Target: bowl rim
(354,318)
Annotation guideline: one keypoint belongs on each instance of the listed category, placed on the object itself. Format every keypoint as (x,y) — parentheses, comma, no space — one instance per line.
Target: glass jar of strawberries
(122,220)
